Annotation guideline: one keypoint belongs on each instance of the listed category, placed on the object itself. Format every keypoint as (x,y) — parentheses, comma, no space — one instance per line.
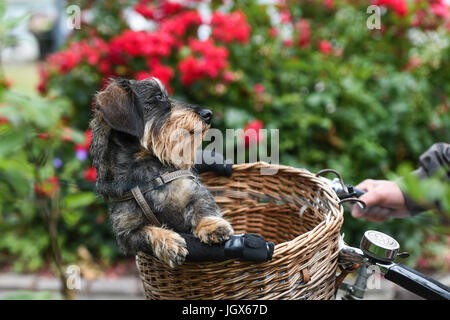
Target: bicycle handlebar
(417,282)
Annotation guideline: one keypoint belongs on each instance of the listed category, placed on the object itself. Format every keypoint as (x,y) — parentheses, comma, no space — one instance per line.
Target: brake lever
(345,192)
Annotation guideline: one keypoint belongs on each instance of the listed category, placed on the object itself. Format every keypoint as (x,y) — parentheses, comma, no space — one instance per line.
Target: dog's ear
(121,109)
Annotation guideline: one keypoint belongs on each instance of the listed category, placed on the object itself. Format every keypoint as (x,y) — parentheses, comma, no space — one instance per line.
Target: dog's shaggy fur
(131,145)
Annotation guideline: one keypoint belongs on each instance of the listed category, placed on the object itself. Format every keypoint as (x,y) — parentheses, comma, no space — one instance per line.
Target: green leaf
(78,200)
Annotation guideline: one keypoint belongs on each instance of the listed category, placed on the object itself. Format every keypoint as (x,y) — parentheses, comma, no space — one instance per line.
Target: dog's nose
(205,114)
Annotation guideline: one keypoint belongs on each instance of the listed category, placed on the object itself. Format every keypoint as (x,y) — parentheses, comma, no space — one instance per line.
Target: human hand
(384,200)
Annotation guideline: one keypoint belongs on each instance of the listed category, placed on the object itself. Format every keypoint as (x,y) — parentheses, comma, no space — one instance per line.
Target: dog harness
(157,182)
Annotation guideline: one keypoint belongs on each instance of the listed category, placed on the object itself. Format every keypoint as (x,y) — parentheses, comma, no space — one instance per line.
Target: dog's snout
(205,114)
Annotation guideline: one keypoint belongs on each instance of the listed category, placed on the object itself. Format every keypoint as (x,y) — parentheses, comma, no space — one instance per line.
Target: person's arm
(436,157)
(386,200)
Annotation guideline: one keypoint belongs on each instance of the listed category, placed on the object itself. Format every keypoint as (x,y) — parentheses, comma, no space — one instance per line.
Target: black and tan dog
(132,145)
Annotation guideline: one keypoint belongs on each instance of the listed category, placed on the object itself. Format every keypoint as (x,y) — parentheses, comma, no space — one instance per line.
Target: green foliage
(26,162)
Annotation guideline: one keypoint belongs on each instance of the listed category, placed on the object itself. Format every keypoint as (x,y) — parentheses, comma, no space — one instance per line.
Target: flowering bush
(45,176)
(343,96)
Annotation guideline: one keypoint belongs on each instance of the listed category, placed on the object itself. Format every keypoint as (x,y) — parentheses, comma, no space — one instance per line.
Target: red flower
(43,78)
(441,8)
(329,4)
(144,10)
(86,143)
(230,27)
(90,174)
(162,72)
(179,24)
(413,63)
(400,7)
(285,16)
(3,120)
(258,88)
(158,12)
(90,52)
(252,133)
(47,188)
(325,47)
(43,136)
(66,135)
(273,32)
(141,43)
(304,33)
(228,76)
(288,43)
(209,64)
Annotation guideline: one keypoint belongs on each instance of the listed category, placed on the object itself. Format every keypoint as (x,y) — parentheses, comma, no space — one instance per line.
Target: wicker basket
(294,209)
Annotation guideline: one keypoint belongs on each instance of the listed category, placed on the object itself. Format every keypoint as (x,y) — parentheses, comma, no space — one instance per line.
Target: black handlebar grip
(417,282)
(248,247)
(211,161)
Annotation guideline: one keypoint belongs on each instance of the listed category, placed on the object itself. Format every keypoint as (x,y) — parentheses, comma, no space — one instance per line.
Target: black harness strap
(138,195)
(145,207)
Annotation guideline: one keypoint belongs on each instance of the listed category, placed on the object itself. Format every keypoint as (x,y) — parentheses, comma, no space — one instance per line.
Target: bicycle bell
(379,246)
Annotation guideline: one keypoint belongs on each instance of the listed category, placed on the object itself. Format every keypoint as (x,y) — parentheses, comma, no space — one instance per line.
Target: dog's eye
(160,97)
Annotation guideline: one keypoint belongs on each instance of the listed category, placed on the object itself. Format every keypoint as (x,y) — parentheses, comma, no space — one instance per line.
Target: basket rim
(337,212)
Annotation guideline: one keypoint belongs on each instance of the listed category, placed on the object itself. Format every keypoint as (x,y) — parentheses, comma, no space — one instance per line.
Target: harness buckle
(159,181)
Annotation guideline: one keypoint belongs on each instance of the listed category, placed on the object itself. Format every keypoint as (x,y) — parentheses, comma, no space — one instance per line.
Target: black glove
(248,247)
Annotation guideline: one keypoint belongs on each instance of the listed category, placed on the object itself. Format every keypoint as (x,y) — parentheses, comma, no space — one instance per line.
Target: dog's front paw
(168,246)
(213,230)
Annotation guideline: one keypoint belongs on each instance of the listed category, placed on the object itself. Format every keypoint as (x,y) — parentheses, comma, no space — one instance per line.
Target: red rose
(285,16)
(43,136)
(211,61)
(273,32)
(86,143)
(90,174)
(144,10)
(228,76)
(230,27)
(288,43)
(400,7)
(258,88)
(304,33)
(325,47)
(441,8)
(179,24)
(329,4)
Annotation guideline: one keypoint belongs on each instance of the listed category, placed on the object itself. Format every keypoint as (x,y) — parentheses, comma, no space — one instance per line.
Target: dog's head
(169,129)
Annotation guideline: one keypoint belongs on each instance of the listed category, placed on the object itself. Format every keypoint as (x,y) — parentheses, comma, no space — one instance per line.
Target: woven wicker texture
(296,210)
